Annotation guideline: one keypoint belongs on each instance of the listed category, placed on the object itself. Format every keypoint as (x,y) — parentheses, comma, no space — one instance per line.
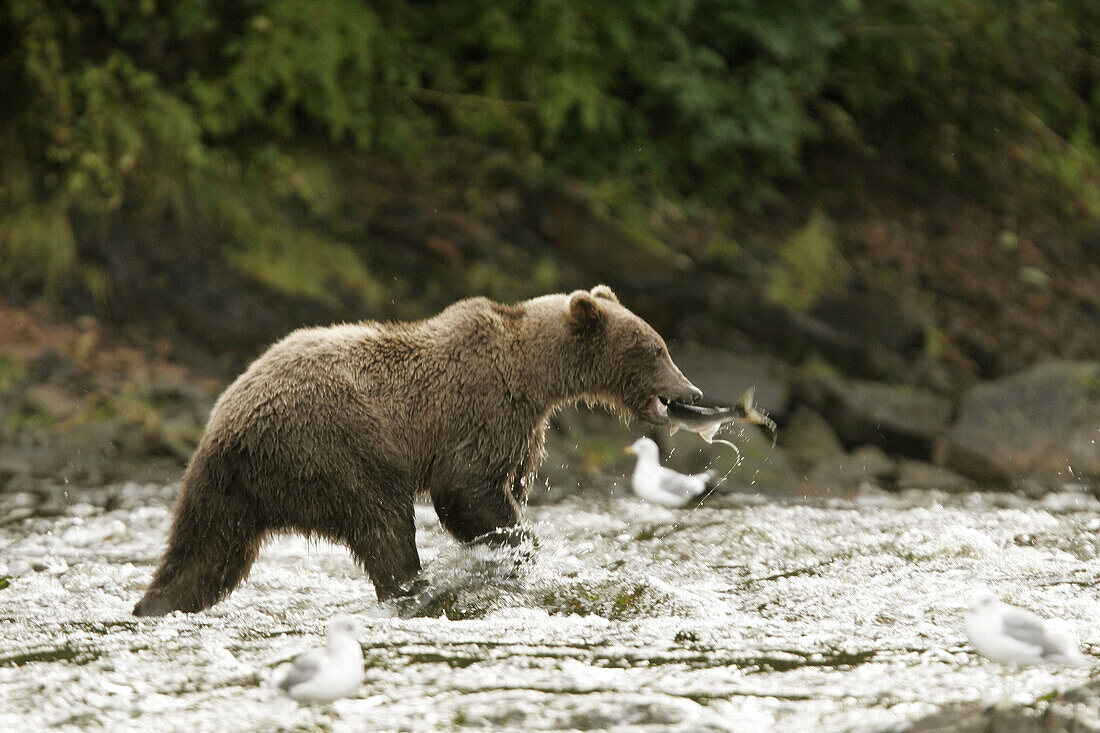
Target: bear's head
(625,360)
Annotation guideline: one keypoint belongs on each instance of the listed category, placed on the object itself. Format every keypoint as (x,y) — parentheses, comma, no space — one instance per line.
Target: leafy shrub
(144,101)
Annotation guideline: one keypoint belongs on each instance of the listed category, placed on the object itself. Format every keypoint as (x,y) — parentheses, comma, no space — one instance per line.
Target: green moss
(627,600)
(37,238)
(66,653)
(936,342)
(12,372)
(268,244)
(1008,240)
(614,603)
(809,266)
(1035,277)
(811,368)
(546,277)
(720,247)
(307,179)
(24,419)
(453,606)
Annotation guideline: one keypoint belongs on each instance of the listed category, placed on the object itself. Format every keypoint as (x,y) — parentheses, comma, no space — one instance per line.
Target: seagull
(325,675)
(659,485)
(1016,637)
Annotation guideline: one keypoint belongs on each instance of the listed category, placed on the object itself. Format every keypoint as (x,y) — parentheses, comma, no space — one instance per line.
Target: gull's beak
(629,450)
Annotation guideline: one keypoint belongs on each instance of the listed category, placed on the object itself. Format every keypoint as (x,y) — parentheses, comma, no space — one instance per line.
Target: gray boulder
(865,465)
(1042,424)
(809,440)
(921,475)
(900,419)
(1074,710)
(724,376)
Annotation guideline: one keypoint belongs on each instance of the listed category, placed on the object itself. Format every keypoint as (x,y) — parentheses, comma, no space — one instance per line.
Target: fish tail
(744,406)
(748,411)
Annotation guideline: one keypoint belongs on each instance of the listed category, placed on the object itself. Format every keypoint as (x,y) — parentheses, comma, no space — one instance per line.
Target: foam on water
(838,615)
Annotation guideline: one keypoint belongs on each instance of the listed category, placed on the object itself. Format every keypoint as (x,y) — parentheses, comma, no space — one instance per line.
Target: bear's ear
(602,291)
(584,311)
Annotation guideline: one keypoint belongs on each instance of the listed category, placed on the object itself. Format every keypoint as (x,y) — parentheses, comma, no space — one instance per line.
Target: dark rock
(51,363)
(724,376)
(861,334)
(809,440)
(12,464)
(866,465)
(51,401)
(901,420)
(1043,423)
(1091,241)
(933,374)
(921,475)
(176,388)
(177,437)
(871,320)
(1072,711)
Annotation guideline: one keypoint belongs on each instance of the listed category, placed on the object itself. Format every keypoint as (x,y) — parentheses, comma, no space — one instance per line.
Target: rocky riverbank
(83,405)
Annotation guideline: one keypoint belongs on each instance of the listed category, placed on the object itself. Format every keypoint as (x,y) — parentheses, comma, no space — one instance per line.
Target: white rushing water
(838,615)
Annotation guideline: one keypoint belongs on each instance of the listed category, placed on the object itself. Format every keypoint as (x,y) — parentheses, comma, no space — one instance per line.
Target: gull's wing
(677,484)
(1029,629)
(306,666)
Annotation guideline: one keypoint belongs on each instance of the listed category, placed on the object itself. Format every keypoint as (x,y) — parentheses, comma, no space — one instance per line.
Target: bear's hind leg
(211,548)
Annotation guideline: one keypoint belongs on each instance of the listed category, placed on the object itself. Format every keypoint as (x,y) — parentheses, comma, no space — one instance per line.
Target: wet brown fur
(333,431)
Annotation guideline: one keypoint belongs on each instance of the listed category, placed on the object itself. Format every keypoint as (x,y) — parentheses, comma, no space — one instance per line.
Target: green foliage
(972,88)
(671,91)
(705,98)
(272,246)
(140,104)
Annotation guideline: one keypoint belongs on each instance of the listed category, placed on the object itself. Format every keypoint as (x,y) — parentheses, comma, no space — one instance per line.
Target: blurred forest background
(903,191)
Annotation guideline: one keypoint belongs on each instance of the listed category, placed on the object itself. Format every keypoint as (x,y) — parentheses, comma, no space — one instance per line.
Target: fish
(707,421)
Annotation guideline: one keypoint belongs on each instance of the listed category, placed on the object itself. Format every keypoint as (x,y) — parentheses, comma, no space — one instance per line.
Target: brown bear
(333,431)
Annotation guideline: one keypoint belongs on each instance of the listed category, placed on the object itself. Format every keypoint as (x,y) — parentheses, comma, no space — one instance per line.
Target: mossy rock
(1043,423)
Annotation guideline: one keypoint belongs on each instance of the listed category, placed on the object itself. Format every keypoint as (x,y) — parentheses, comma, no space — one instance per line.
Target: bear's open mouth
(660,406)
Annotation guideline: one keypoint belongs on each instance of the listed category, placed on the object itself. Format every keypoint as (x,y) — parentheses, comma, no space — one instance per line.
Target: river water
(840,614)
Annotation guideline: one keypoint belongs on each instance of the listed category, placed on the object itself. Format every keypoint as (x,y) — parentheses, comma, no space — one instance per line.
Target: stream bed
(760,614)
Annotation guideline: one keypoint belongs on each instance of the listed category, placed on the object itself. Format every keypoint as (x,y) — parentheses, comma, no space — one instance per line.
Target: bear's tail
(216,534)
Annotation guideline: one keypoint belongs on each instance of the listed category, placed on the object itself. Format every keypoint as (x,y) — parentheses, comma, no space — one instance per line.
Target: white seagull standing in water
(1016,637)
(325,675)
(659,485)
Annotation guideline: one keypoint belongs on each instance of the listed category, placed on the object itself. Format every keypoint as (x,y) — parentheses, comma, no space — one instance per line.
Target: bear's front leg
(486,514)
